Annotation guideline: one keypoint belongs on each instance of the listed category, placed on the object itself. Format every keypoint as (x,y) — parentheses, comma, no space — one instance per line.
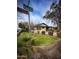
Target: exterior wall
(39,31)
(55,33)
(35,30)
(43,30)
(46,32)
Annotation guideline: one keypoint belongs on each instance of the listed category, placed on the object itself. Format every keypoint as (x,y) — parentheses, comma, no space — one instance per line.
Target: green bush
(30,39)
(43,40)
(35,39)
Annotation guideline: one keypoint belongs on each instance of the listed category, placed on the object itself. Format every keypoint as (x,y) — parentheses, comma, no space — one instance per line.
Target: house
(44,29)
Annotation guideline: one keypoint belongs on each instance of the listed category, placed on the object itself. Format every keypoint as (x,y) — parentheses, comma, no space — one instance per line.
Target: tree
(54,14)
(23,26)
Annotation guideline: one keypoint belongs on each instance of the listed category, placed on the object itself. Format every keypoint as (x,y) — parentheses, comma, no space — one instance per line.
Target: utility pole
(26,10)
(29,16)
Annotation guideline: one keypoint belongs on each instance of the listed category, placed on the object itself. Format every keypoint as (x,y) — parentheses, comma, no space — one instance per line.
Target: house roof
(42,25)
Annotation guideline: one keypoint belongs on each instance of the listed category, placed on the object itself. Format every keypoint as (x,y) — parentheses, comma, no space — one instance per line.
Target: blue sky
(39,9)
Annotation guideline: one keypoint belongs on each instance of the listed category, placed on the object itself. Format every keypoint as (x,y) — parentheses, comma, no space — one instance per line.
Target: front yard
(26,40)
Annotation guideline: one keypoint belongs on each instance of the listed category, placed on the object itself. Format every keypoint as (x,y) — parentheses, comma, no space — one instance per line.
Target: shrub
(43,40)
(36,39)
(30,39)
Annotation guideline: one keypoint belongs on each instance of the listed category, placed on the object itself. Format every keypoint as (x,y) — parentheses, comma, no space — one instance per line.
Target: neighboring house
(44,29)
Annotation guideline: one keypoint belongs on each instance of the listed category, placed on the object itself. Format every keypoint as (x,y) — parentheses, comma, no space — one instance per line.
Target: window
(42,27)
(43,32)
(50,33)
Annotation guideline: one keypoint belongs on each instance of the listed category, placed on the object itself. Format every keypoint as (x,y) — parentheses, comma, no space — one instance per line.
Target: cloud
(40,7)
(36,18)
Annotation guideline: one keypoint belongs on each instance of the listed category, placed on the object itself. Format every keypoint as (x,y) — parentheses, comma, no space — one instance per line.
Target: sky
(39,9)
